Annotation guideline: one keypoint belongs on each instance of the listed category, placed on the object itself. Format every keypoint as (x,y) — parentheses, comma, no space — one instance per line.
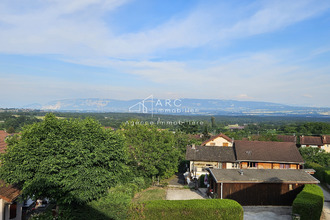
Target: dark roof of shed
(268,151)
(8,192)
(262,176)
(210,153)
(214,137)
(311,140)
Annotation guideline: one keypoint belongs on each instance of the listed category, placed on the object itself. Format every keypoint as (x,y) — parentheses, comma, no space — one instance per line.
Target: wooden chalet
(268,155)
(258,186)
(202,157)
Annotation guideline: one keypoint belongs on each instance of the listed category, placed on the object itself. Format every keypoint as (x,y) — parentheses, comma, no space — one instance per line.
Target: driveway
(184,194)
(326,205)
(267,212)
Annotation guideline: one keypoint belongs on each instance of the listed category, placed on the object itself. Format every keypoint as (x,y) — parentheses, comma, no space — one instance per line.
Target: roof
(268,151)
(262,176)
(3,144)
(311,140)
(326,139)
(210,153)
(214,137)
(8,192)
(287,138)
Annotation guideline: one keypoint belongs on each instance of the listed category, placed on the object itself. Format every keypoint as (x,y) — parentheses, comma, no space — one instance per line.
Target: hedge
(309,203)
(188,209)
(321,173)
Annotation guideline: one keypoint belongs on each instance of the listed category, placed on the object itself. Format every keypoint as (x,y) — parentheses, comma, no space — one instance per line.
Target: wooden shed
(258,186)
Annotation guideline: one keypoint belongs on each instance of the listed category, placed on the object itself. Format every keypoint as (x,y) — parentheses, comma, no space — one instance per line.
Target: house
(10,207)
(267,155)
(258,186)
(202,157)
(311,141)
(326,142)
(235,127)
(321,142)
(219,140)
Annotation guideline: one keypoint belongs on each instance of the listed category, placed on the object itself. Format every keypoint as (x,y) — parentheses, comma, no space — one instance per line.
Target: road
(326,206)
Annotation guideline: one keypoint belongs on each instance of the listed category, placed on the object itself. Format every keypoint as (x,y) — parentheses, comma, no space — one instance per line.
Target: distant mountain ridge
(180,106)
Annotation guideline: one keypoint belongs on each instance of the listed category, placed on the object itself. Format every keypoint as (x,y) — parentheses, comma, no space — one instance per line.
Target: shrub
(309,203)
(187,209)
(327,176)
(319,171)
(201,181)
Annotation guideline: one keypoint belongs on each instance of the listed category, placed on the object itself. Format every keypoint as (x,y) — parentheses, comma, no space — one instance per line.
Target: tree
(70,161)
(188,128)
(152,151)
(213,122)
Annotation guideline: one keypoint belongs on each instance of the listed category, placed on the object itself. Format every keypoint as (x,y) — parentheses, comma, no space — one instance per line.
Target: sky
(273,51)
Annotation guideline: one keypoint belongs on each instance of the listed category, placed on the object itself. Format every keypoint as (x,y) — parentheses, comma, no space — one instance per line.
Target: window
(290,187)
(252,165)
(12,211)
(212,144)
(225,144)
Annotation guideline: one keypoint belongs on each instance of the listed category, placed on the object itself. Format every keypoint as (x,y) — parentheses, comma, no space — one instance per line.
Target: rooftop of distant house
(311,140)
(3,144)
(268,151)
(287,138)
(217,136)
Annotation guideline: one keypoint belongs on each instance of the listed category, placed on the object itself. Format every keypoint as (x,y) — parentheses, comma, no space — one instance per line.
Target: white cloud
(77,28)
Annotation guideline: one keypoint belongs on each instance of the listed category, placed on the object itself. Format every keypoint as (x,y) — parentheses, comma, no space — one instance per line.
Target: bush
(327,176)
(309,203)
(319,171)
(201,181)
(188,209)
(114,204)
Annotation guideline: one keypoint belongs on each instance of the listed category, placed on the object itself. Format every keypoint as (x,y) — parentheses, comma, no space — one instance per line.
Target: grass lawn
(153,193)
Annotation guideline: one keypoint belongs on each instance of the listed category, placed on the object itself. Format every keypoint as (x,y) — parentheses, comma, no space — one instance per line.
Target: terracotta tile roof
(267,151)
(8,192)
(3,144)
(311,140)
(210,153)
(262,176)
(326,139)
(214,137)
(287,138)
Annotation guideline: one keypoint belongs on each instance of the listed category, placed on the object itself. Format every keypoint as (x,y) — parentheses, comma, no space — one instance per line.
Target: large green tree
(153,151)
(71,161)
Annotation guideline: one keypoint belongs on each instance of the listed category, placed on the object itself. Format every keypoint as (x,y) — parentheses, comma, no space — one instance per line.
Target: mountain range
(180,106)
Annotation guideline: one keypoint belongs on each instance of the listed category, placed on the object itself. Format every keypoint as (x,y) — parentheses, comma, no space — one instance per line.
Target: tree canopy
(153,151)
(66,160)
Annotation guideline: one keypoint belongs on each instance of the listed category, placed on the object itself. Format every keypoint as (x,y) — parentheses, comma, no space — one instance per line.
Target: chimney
(193,146)
(241,172)
(232,141)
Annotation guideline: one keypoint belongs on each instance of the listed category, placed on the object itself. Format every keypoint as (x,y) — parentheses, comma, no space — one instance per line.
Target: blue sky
(275,51)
